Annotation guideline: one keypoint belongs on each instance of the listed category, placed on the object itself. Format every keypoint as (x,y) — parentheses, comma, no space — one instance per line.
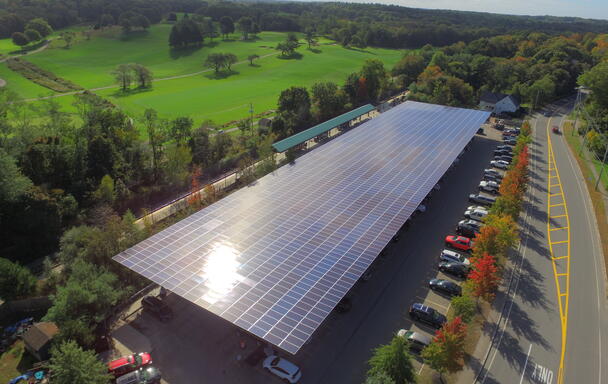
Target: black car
(481,199)
(446,287)
(491,177)
(426,314)
(454,268)
(498,152)
(504,148)
(509,141)
(157,307)
(467,228)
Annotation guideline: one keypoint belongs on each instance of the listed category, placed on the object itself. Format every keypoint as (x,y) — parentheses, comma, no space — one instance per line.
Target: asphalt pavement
(557,286)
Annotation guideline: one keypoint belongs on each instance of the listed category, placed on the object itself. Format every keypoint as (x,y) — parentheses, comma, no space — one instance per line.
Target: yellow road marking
(556,205)
(557,229)
(558,216)
(563,307)
(555,194)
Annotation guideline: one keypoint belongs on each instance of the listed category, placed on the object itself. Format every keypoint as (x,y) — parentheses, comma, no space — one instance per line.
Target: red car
(459,242)
(129,363)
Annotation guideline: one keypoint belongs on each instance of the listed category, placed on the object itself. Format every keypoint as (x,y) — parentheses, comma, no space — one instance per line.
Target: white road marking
(542,374)
(523,372)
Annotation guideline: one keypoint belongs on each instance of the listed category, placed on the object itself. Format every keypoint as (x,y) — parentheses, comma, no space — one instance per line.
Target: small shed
(265,123)
(37,339)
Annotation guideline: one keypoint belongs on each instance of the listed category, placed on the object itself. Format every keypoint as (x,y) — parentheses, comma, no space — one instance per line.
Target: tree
(200,146)
(409,68)
(216,61)
(40,25)
(375,77)
(245,25)
(251,58)
(394,360)
(106,20)
(446,352)
(327,99)
(294,107)
(123,76)
(105,191)
(19,39)
(68,38)
(13,184)
(156,138)
(32,35)
(379,378)
(229,59)
(309,36)
(484,276)
(597,80)
(142,75)
(226,26)
(464,307)
(16,281)
(176,166)
(180,129)
(70,364)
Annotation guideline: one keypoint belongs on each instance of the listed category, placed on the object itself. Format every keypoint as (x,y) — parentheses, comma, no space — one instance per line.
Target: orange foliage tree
(484,276)
(446,352)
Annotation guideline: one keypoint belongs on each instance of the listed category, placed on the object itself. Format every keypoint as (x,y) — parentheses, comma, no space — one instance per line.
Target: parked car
(480,131)
(507,158)
(500,164)
(489,186)
(474,207)
(481,199)
(509,141)
(490,177)
(129,363)
(447,255)
(145,375)
(418,341)
(421,208)
(493,172)
(505,148)
(454,268)
(474,224)
(476,214)
(466,231)
(286,370)
(157,307)
(459,242)
(426,314)
(445,286)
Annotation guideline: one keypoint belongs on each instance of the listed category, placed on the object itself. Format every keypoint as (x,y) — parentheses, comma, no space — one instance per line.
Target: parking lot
(197,346)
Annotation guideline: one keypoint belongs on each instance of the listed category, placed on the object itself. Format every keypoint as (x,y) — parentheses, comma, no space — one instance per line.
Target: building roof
(514,100)
(39,334)
(492,97)
(275,257)
(299,138)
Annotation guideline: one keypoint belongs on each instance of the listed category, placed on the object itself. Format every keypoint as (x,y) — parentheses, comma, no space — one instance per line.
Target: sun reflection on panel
(220,272)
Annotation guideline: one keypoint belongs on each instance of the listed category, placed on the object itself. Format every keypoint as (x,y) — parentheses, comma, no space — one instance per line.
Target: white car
(489,186)
(500,164)
(474,207)
(421,208)
(451,256)
(282,368)
(476,214)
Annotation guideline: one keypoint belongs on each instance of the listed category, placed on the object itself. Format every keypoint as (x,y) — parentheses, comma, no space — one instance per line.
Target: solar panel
(274,258)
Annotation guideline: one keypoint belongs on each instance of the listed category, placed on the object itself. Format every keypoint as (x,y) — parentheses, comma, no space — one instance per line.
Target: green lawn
(89,63)
(14,362)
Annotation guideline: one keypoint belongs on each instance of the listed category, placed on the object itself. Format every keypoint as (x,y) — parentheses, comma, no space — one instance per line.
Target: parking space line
(556,205)
(562,274)
(559,257)
(558,216)
(559,242)
(555,194)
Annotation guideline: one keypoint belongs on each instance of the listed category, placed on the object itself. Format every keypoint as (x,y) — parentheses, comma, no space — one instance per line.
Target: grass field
(89,63)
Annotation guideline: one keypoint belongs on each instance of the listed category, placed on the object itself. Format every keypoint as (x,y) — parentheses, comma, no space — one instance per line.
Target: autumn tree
(484,276)
(485,241)
(446,352)
(194,200)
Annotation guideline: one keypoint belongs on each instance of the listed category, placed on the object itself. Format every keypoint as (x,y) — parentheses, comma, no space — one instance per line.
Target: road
(551,328)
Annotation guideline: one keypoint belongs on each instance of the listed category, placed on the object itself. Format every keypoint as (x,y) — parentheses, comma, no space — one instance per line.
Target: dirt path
(40,49)
(2,83)
(154,81)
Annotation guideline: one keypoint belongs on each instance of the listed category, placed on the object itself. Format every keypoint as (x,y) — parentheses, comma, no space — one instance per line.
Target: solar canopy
(274,258)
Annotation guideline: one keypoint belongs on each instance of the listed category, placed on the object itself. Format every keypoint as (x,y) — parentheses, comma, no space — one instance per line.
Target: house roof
(39,334)
(299,138)
(514,100)
(492,97)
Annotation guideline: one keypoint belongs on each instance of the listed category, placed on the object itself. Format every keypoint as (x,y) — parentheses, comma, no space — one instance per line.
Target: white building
(498,103)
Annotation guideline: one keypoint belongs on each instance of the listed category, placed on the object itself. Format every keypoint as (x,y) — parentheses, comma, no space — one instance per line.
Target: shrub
(15,280)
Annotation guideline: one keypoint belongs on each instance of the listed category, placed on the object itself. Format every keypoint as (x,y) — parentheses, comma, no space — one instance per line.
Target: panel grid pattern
(275,257)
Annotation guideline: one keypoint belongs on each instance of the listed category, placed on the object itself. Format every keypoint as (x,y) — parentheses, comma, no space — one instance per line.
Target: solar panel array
(275,257)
